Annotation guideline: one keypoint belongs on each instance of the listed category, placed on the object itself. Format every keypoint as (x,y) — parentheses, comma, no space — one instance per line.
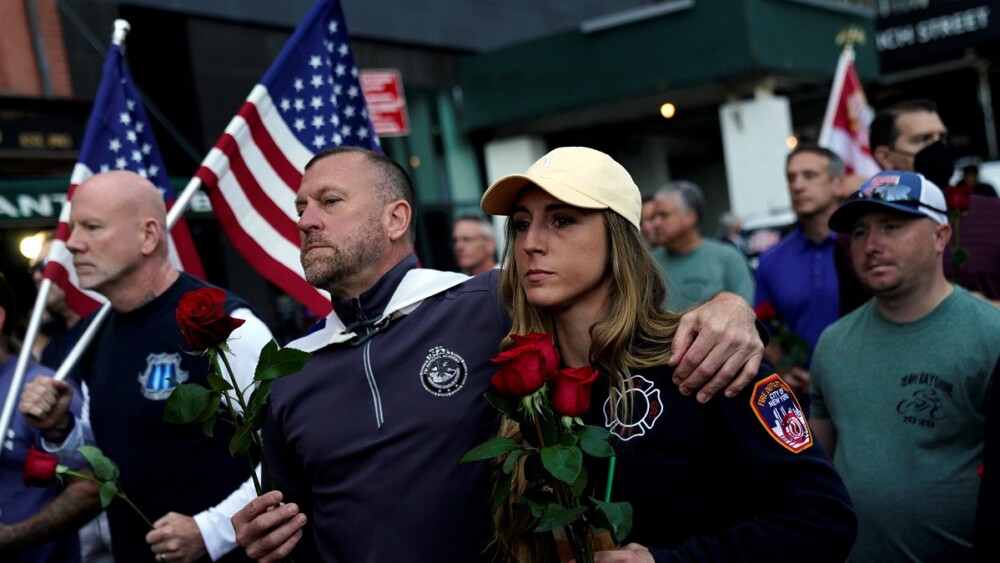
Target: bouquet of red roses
(546,403)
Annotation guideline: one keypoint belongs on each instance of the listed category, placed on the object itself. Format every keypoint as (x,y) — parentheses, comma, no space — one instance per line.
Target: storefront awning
(705,49)
(38,202)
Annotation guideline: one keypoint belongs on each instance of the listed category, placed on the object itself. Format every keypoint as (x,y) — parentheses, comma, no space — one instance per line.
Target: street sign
(383,90)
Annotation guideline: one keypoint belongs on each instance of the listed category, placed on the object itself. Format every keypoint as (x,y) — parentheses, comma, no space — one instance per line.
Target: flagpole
(846,57)
(182,202)
(121,29)
(85,339)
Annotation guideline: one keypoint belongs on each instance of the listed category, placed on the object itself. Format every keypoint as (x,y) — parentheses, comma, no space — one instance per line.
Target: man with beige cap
(372,430)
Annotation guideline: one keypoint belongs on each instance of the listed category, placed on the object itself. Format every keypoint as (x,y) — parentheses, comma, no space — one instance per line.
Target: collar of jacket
(413,286)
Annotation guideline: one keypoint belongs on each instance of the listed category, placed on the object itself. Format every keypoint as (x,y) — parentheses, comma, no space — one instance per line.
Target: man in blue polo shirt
(798,276)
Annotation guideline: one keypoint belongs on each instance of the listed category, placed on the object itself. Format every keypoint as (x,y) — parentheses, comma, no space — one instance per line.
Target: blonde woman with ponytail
(736,479)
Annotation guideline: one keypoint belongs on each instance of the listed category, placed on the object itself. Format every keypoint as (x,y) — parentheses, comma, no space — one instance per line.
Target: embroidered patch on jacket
(444,372)
(163,373)
(778,410)
(644,398)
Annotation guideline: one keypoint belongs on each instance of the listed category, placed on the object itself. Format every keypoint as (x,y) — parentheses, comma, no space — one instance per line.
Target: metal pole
(85,339)
(39,43)
(182,202)
(986,103)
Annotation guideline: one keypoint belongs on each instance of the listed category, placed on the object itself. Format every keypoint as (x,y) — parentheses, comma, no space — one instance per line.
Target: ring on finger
(162,558)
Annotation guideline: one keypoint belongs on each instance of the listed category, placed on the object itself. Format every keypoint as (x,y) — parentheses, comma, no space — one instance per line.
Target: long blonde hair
(635,333)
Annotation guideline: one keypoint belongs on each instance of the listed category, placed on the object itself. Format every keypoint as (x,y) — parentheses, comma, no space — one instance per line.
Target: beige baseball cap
(579,176)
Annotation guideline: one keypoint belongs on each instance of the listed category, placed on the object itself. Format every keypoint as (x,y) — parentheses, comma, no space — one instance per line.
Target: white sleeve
(81,433)
(245,344)
(74,439)
(215,524)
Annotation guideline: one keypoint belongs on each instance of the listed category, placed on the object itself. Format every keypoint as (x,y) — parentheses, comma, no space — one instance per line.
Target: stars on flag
(128,146)
(311,102)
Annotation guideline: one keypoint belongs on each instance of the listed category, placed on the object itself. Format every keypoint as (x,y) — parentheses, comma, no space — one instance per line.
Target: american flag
(118,137)
(309,100)
(845,125)
(881,180)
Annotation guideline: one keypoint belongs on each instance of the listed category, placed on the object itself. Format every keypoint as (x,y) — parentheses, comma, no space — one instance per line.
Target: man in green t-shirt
(900,384)
(695,268)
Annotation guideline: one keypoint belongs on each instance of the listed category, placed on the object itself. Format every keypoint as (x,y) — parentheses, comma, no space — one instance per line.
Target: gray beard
(357,254)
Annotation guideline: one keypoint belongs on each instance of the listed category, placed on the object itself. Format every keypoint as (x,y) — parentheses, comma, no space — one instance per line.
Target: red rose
(765,312)
(957,197)
(571,390)
(521,371)
(39,468)
(203,320)
(544,342)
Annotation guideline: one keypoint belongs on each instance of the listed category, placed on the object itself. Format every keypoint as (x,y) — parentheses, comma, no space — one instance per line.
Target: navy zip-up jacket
(367,438)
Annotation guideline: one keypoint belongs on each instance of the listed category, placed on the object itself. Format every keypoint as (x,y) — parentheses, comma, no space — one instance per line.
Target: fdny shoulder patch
(779,412)
(444,372)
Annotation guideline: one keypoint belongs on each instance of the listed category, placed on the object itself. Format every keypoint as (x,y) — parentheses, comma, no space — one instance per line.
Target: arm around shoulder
(716,346)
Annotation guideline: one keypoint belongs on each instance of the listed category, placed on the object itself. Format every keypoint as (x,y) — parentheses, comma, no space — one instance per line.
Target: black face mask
(936,162)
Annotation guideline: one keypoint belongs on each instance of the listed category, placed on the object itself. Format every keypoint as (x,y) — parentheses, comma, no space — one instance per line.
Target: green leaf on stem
(217,382)
(536,509)
(568,439)
(501,492)
(511,460)
(507,406)
(615,516)
(534,472)
(257,406)
(594,441)
(104,469)
(581,483)
(109,490)
(240,444)
(208,426)
(490,449)
(562,462)
(190,403)
(558,516)
(959,257)
(550,425)
(277,362)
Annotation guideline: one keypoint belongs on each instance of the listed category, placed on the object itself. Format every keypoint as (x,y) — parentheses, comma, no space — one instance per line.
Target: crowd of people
(873,448)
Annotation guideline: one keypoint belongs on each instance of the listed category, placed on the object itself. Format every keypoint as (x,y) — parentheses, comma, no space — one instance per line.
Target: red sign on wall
(383,90)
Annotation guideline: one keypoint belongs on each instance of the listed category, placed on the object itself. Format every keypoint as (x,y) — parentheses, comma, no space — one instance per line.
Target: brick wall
(19,72)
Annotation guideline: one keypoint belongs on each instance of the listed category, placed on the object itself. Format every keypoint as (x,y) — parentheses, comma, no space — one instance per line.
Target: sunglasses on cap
(896,194)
